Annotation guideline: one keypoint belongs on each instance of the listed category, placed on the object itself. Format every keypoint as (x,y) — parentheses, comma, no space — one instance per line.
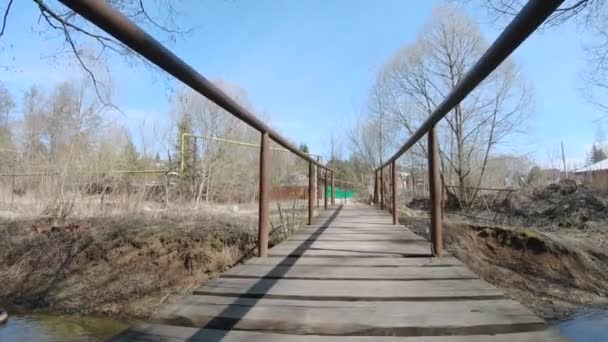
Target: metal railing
(120,27)
(531,16)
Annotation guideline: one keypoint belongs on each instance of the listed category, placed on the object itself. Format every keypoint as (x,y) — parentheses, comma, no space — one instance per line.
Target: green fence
(341,193)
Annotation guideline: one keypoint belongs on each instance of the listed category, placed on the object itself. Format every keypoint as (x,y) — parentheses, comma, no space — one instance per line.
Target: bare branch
(5,17)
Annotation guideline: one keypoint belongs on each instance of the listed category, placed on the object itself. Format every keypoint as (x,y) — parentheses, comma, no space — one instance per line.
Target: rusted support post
(318,187)
(382,188)
(376,187)
(263,215)
(435,194)
(325,190)
(311,191)
(389,190)
(333,190)
(394,183)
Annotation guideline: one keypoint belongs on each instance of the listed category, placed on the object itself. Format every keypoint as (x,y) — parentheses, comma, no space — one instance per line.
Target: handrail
(121,28)
(531,16)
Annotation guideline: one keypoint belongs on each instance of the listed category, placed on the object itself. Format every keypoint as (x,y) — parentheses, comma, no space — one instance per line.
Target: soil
(121,266)
(552,258)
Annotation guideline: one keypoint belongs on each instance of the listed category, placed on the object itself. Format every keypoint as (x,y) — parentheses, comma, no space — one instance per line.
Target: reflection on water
(588,327)
(46,328)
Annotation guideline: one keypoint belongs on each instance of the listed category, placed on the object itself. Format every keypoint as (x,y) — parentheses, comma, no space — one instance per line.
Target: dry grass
(126,265)
(554,276)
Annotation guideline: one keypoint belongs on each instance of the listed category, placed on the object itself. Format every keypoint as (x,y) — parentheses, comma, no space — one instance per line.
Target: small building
(594,175)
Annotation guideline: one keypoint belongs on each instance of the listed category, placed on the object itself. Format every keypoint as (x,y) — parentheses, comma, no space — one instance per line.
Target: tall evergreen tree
(597,154)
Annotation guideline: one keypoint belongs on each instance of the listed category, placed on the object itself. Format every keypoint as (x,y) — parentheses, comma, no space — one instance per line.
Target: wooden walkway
(352,276)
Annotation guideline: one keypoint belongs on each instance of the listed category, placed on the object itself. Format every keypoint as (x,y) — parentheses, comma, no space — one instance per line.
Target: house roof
(601,165)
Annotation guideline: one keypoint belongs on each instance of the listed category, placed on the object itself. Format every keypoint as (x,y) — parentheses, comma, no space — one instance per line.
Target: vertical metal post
(376,187)
(389,197)
(382,188)
(311,191)
(317,183)
(333,190)
(13,181)
(325,190)
(394,183)
(167,190)
(435,194)
(263,216)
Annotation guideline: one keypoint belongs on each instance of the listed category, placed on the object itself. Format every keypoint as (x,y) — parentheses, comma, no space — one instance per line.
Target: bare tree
(586,10)
(591,15)
(419,77)
(7,105)
(89,46)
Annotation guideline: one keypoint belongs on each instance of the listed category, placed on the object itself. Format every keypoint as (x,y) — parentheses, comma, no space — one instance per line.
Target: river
(55,328)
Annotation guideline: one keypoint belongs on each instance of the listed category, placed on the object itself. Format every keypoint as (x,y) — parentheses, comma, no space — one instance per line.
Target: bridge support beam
(382,188)
(325,190)
(263,198)
(435,194)
(394,184)
(311,191)
(333,190)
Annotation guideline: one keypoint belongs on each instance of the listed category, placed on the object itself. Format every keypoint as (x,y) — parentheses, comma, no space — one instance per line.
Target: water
(47,328)
(587,327)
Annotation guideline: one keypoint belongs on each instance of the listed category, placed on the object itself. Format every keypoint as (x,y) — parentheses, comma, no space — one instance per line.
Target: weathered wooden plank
(364,273)
(370,236)
(168,333)
(352,289)
(357,262)
(353,318)
(353,248)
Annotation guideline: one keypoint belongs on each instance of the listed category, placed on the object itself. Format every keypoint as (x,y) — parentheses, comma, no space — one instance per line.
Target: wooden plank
(364,273)
(352,289)
(374,236)
(353,318)
(357,262)
(353,248)
(168,333)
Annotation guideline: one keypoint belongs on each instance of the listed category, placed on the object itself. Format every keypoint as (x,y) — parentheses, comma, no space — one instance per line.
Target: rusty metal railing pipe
(531,16)
(120,27)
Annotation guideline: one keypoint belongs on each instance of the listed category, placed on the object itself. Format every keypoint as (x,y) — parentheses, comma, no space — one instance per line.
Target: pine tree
(304,148)
(597,154)
(129,157)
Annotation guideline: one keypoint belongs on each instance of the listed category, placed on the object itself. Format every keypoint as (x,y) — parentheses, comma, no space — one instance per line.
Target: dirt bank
(552,275)
(121,266)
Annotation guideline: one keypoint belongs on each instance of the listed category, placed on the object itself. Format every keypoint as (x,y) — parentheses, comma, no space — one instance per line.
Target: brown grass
(552,275)
(125,266)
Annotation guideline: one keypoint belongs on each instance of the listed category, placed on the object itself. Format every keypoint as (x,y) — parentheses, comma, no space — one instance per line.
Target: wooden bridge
(351,276)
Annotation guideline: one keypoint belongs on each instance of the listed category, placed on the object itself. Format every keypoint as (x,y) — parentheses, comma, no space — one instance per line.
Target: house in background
(594,175)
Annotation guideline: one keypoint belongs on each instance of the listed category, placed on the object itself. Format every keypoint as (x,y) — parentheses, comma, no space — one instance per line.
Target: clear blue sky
(307,65)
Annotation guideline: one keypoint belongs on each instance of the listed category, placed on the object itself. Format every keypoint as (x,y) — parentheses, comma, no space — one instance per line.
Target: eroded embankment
(125,266)
(553,276)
